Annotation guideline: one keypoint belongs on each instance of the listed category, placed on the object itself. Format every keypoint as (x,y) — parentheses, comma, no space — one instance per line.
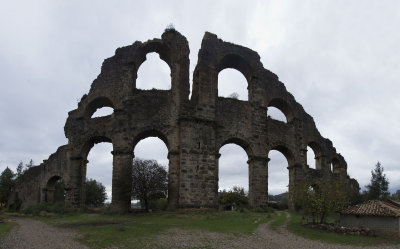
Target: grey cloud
(339,59)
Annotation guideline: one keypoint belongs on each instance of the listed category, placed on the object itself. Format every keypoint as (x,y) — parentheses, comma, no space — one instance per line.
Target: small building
(381,216)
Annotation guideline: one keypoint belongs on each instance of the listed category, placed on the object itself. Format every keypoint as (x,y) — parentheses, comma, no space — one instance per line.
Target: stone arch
(335,165)
(284,107)
(50,188)
(150,133)
(284,149)
(95,104)
(316,148)
(293,167)
(236,62)
(88,145)
(240,142)
(173,162)
(158,47)
(82,162)
(141,72)
(278,175)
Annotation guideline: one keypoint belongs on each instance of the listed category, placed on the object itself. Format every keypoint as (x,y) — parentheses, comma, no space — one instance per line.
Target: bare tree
(150,181)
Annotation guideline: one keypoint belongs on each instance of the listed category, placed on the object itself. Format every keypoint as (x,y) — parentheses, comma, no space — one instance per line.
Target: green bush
(233,198)
(16,205)
(57,208)
(162,204)
(264,210)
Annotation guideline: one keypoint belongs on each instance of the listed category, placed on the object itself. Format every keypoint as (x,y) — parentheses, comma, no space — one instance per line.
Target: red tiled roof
(374,208)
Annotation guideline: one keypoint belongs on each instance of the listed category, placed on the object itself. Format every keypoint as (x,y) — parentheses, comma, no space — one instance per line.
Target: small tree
(396,195)
(20,169)
(170,27)
(233,197)
(234,95)
(325,196)
(150,181)
(95,193)
(379,185)
(6,184)
(29,165)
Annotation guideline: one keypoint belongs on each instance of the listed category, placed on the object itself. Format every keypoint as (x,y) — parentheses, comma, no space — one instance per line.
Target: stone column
(258,181)
(317,162)
(173,179)
(295,178)
(122,180)
(75,192)
(325,165)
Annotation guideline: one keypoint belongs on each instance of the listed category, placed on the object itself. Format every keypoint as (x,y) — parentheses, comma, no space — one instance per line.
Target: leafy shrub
(162,204)
(264,210)
(233,198)
(57,208)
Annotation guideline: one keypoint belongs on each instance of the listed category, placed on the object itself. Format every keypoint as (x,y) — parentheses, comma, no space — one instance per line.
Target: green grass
(297,228)
(278,220)
(136,230)
(5,227)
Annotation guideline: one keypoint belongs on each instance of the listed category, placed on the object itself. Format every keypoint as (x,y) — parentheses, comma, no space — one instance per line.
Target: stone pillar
(173,179)
(122,180)
(325,165)
(75,192)
(258,181)
(295,177)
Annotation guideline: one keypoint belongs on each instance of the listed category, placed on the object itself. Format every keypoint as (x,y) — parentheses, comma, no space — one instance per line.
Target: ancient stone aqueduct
(193,129)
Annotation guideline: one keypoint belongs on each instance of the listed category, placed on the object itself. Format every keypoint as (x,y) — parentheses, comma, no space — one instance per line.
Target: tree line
(150,188)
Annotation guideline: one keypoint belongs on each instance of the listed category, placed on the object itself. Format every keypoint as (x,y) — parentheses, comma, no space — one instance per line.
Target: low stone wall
(342,229)
(382,225)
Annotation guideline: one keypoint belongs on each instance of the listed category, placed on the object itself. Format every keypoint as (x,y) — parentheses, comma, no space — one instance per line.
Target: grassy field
(138,230)
(5,226)
(294,226)
(100,231)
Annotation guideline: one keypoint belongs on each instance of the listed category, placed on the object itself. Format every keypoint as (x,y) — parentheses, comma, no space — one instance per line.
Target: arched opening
(278,109)
(99,170)
(99,107)
(151,147)
(102,112)
(335,166)
(55,191)
(232,84)
(275,113)
(233,176)
(233,169)
(313,156)
(153,73)
(278,177)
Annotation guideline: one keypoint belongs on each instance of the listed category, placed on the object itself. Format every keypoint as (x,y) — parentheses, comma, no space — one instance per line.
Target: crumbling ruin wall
(193,129)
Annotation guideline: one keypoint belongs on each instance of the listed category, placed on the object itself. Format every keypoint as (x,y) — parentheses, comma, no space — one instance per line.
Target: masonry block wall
(193,129)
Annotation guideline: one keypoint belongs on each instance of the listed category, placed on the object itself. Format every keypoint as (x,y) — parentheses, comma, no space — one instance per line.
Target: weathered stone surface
(193,129)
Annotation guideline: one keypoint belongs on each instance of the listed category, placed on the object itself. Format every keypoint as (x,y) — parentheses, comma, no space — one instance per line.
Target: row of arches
(232,165)
(155,73)
(104,108)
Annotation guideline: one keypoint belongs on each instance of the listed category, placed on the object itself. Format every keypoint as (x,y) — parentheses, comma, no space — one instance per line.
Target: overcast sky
(340,59)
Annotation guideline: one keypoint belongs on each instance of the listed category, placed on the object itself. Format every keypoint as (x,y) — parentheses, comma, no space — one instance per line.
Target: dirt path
(263,237)
(31,234)
(34,234)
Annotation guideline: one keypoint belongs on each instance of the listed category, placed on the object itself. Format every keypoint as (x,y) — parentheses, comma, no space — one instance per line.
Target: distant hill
(279,197)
